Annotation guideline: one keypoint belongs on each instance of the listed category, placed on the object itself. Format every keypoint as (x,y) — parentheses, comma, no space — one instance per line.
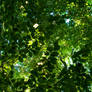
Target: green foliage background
(45,45)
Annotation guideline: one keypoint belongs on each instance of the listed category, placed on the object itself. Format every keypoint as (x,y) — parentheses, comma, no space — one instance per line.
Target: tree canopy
(45,45)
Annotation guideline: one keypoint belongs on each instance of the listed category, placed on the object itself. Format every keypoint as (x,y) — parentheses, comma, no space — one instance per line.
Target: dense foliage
(45,45)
